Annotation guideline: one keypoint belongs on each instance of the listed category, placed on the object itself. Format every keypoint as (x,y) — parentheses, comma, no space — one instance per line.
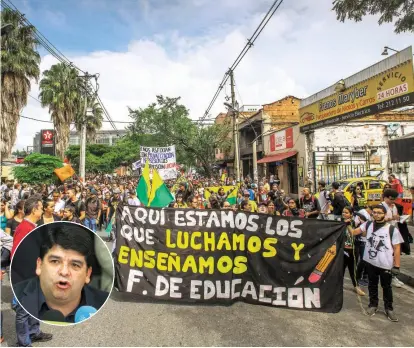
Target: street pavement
(150,324)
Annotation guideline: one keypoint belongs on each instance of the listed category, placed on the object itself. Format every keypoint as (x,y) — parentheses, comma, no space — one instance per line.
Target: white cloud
(301,51)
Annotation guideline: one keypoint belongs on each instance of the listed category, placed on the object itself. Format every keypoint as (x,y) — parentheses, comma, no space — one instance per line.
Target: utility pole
(86,111)
(255,176)
(235,127)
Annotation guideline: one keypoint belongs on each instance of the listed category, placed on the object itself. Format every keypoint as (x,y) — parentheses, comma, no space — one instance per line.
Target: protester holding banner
(350,254)
(293,210)
(382,257)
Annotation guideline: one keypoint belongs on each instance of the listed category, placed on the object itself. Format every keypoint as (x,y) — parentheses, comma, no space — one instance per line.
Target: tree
(104,158)
(93,120)
(19,64)
(61,91)
(167,122)
(19,153)
(38,169)
(389,10)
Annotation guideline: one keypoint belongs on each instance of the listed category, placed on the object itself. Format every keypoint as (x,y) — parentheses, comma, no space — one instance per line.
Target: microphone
(84,313)
(54,316)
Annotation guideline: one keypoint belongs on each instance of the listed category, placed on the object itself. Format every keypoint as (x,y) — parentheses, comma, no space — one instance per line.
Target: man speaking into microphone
(60,292)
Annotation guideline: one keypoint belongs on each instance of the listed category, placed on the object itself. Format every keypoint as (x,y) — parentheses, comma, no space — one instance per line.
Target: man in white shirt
(391,216)
(59,203)
(133,200)
(382,257)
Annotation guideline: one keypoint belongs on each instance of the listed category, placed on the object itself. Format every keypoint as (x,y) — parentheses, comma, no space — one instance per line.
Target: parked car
(371,187)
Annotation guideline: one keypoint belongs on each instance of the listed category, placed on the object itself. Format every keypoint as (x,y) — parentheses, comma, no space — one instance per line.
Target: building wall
(372,136)
(283,110)
(102,137)
(282,170)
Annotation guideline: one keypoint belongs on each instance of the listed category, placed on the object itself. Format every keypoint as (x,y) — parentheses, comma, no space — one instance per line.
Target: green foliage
(163,123)
(400,11)
(38,169)
(19,153)
(104,158)
(20,64)
(167,122)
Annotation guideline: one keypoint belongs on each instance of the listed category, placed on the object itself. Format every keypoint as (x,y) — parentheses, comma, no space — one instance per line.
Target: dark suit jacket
(27,293)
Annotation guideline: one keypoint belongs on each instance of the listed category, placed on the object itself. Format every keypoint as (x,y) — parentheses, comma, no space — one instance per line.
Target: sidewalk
(407,265)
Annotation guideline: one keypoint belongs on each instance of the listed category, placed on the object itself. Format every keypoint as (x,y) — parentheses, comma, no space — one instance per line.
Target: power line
(241,55)
(54,51)
(125,122)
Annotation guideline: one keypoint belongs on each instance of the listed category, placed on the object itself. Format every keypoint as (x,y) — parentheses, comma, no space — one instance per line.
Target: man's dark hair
(71,208)
(390,193)
(69,237)
(20,205)
(243,205)
(379,206)
(32,203)
(335,185)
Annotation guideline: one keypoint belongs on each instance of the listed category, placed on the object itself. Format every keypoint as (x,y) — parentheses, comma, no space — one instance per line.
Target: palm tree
(60,90)
(93,119)
(19,64)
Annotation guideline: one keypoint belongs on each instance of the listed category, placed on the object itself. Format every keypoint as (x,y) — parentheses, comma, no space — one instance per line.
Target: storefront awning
(278,157)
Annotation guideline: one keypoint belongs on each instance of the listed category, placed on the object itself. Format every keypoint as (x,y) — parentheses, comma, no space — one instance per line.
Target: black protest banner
(221,256)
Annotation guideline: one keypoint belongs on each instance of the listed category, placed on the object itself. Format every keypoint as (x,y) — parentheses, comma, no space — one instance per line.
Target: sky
(182,48)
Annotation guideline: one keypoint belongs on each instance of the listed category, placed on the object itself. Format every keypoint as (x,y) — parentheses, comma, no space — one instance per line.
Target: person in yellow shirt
(266,185)
(252,204)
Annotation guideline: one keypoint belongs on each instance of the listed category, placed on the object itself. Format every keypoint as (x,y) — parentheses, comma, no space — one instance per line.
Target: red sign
(47,137)
(281,140)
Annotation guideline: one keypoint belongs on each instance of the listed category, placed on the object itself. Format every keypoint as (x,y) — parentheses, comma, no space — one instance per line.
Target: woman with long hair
(180,201)
(48,213)
(350,254)
(358,200)
(16,220)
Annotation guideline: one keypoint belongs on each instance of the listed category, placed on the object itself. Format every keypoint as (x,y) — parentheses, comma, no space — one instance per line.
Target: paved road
(147,324)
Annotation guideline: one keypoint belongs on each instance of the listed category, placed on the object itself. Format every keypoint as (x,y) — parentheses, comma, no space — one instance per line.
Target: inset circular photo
(62,273)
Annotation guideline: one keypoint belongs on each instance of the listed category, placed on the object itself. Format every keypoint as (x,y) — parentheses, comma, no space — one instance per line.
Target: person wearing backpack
(309,204)
(382,257)
(339,202)
(80,208)
(360,217)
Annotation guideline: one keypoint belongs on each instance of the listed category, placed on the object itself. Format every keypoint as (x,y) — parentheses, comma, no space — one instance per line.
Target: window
(103,141)
(74,141)
(355,184)
(358,154)
(374,185)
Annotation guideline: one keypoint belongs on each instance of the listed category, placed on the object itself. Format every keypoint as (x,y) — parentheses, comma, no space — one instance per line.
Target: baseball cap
(117,190)
(245,193)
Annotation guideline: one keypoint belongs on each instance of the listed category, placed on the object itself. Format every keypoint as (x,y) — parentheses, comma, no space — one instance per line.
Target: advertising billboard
(47,142)
(390,89)
(281,140)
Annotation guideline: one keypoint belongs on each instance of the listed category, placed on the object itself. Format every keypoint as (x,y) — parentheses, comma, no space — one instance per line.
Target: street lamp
(386,48)
(6,29)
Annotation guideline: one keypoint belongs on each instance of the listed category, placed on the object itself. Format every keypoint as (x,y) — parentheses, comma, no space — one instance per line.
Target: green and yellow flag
(160,196)
(230,190)
(144,185)
(155,194)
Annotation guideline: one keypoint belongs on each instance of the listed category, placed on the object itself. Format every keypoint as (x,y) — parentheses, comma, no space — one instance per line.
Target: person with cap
(93,210)
(252,204)
(133,199)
